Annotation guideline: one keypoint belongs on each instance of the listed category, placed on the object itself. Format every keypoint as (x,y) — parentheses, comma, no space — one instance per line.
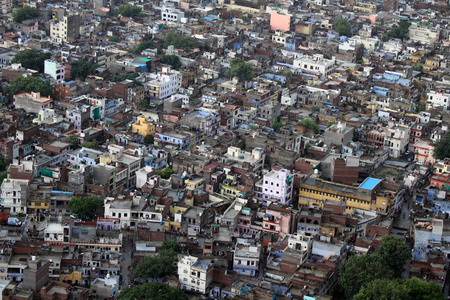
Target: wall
(279,22)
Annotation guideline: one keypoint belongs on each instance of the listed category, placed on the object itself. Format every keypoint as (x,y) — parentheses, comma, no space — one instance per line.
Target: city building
(195,275)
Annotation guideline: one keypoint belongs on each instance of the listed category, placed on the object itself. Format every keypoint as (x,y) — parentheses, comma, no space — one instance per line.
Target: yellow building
(194,183)
(74,277)
(37,204)
(143,126)
(369,8)
(431,63)
(176,213)
(369,195)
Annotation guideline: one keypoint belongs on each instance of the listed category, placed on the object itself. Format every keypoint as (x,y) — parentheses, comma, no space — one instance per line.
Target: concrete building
(48,116)
(340,168)
(143,126)
(32,102)
(163,86)
(423,34)
(36,274)
(438,99)
(397,139)
(280,21)
(317,65)
(65,30)
(105,288)
(275,187)
(246,259)
(171,14)
(338,134)
(203,120)
(195,275)
(254,159)
(55,69)
(15,194)
(423,152)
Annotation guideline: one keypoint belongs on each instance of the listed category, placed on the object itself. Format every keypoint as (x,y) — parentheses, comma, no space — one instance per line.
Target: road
(127,260)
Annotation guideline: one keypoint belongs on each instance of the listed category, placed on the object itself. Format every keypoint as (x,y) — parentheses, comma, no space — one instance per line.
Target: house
(275,187)
(246,259)
(195,275)
(32,102)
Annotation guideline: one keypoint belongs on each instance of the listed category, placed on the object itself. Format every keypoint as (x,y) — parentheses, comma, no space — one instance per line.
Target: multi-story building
(143,126)
(253,160)
(277,219)
(397,139)
(14,195)
(423,152)
(180,140)
(203,120)
(246,259)
(9,148)
(275,187)
(423,34)
(438,99)
(195,275)
(171,14)
(317,65)
(65,30)
(338,134)
(163,86)
(55,69)
(32,102)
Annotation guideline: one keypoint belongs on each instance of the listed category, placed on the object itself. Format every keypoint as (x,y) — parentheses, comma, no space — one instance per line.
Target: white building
(288,98)
(301,242)
(171,14)
(315,65)
(423,152)
(275,187)
(195,275)
(438,99)
(423,34)
(15,195)
(246,259)
(397,139)
(143,175)
(370,44)
(255,158)
(65,30)
(55,69)
(55,232)
(164,86)
(280,37)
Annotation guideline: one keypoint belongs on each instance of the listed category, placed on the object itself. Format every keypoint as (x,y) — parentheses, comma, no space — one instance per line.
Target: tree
(29,84)
(128,10)
(422,290)
(144,104)
(171,246)
(144,45)
(2,164)
(399,31)
(172,60)
(81,68)
(3,176)
(74,141)
(245,18)
(277,125)
(342,26)
(383,289)
(32,59)
(89,145)
(149,139)
(358,270)
(239,68)
(152,291)
(442,147)
(24,13)
(154,267)
(84,206)
(418,67)
(179,41)
(394,253)
(310,125)
(114,39)
(166,173)
(331,124)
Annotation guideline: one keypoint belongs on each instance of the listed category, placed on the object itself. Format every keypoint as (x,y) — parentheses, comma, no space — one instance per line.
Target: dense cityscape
(230,149)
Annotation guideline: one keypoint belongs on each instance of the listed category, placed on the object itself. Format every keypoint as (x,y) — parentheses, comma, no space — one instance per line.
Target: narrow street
(126,262)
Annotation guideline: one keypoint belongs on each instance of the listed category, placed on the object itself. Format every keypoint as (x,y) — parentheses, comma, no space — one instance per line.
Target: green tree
(342,26)
(399,31)
(418,67)
(383,289)
(89,145)
(144,45)
(239,68)
(172,60)
(394,253)
(28,85)
(2,164)
(128,10)
(245,19)
(81,68)
(144,104)
(152,291)
(179,41)
(114,39)
(32,59)
(422,290)
(3,176)
(24,13)
(84,206)
(149,139)
(171,246)
(359,270)
(331,124)
(166,173)
(119,78)
(310,124)
(154,267)
(74,141)
(442,147)
(277,125)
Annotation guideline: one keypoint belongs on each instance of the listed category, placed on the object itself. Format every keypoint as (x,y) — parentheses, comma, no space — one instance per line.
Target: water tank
(316,171)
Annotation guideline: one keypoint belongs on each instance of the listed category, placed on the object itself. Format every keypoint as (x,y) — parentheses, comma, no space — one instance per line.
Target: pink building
(277,220)
(279,21)
(275,187)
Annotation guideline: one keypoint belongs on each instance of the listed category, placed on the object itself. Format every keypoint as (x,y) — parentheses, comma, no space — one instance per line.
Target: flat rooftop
(369,183)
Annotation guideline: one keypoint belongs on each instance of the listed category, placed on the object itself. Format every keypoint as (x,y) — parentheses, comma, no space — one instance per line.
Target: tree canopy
(152,291)
(29,84)
(397,289)
(240,69)
(166,173)
(399,31)
(73,140)
(172,60)
(144,45)
(89,145)
(277,125)
(179,41)
(310,124)
(144,104)
(128,10)
(81,68)
(84,206)
(149,139)
(154,267)
(24,13)
(442,147)
(171,246)
(394,253)
(114,39)
(32,59)
(342,26)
